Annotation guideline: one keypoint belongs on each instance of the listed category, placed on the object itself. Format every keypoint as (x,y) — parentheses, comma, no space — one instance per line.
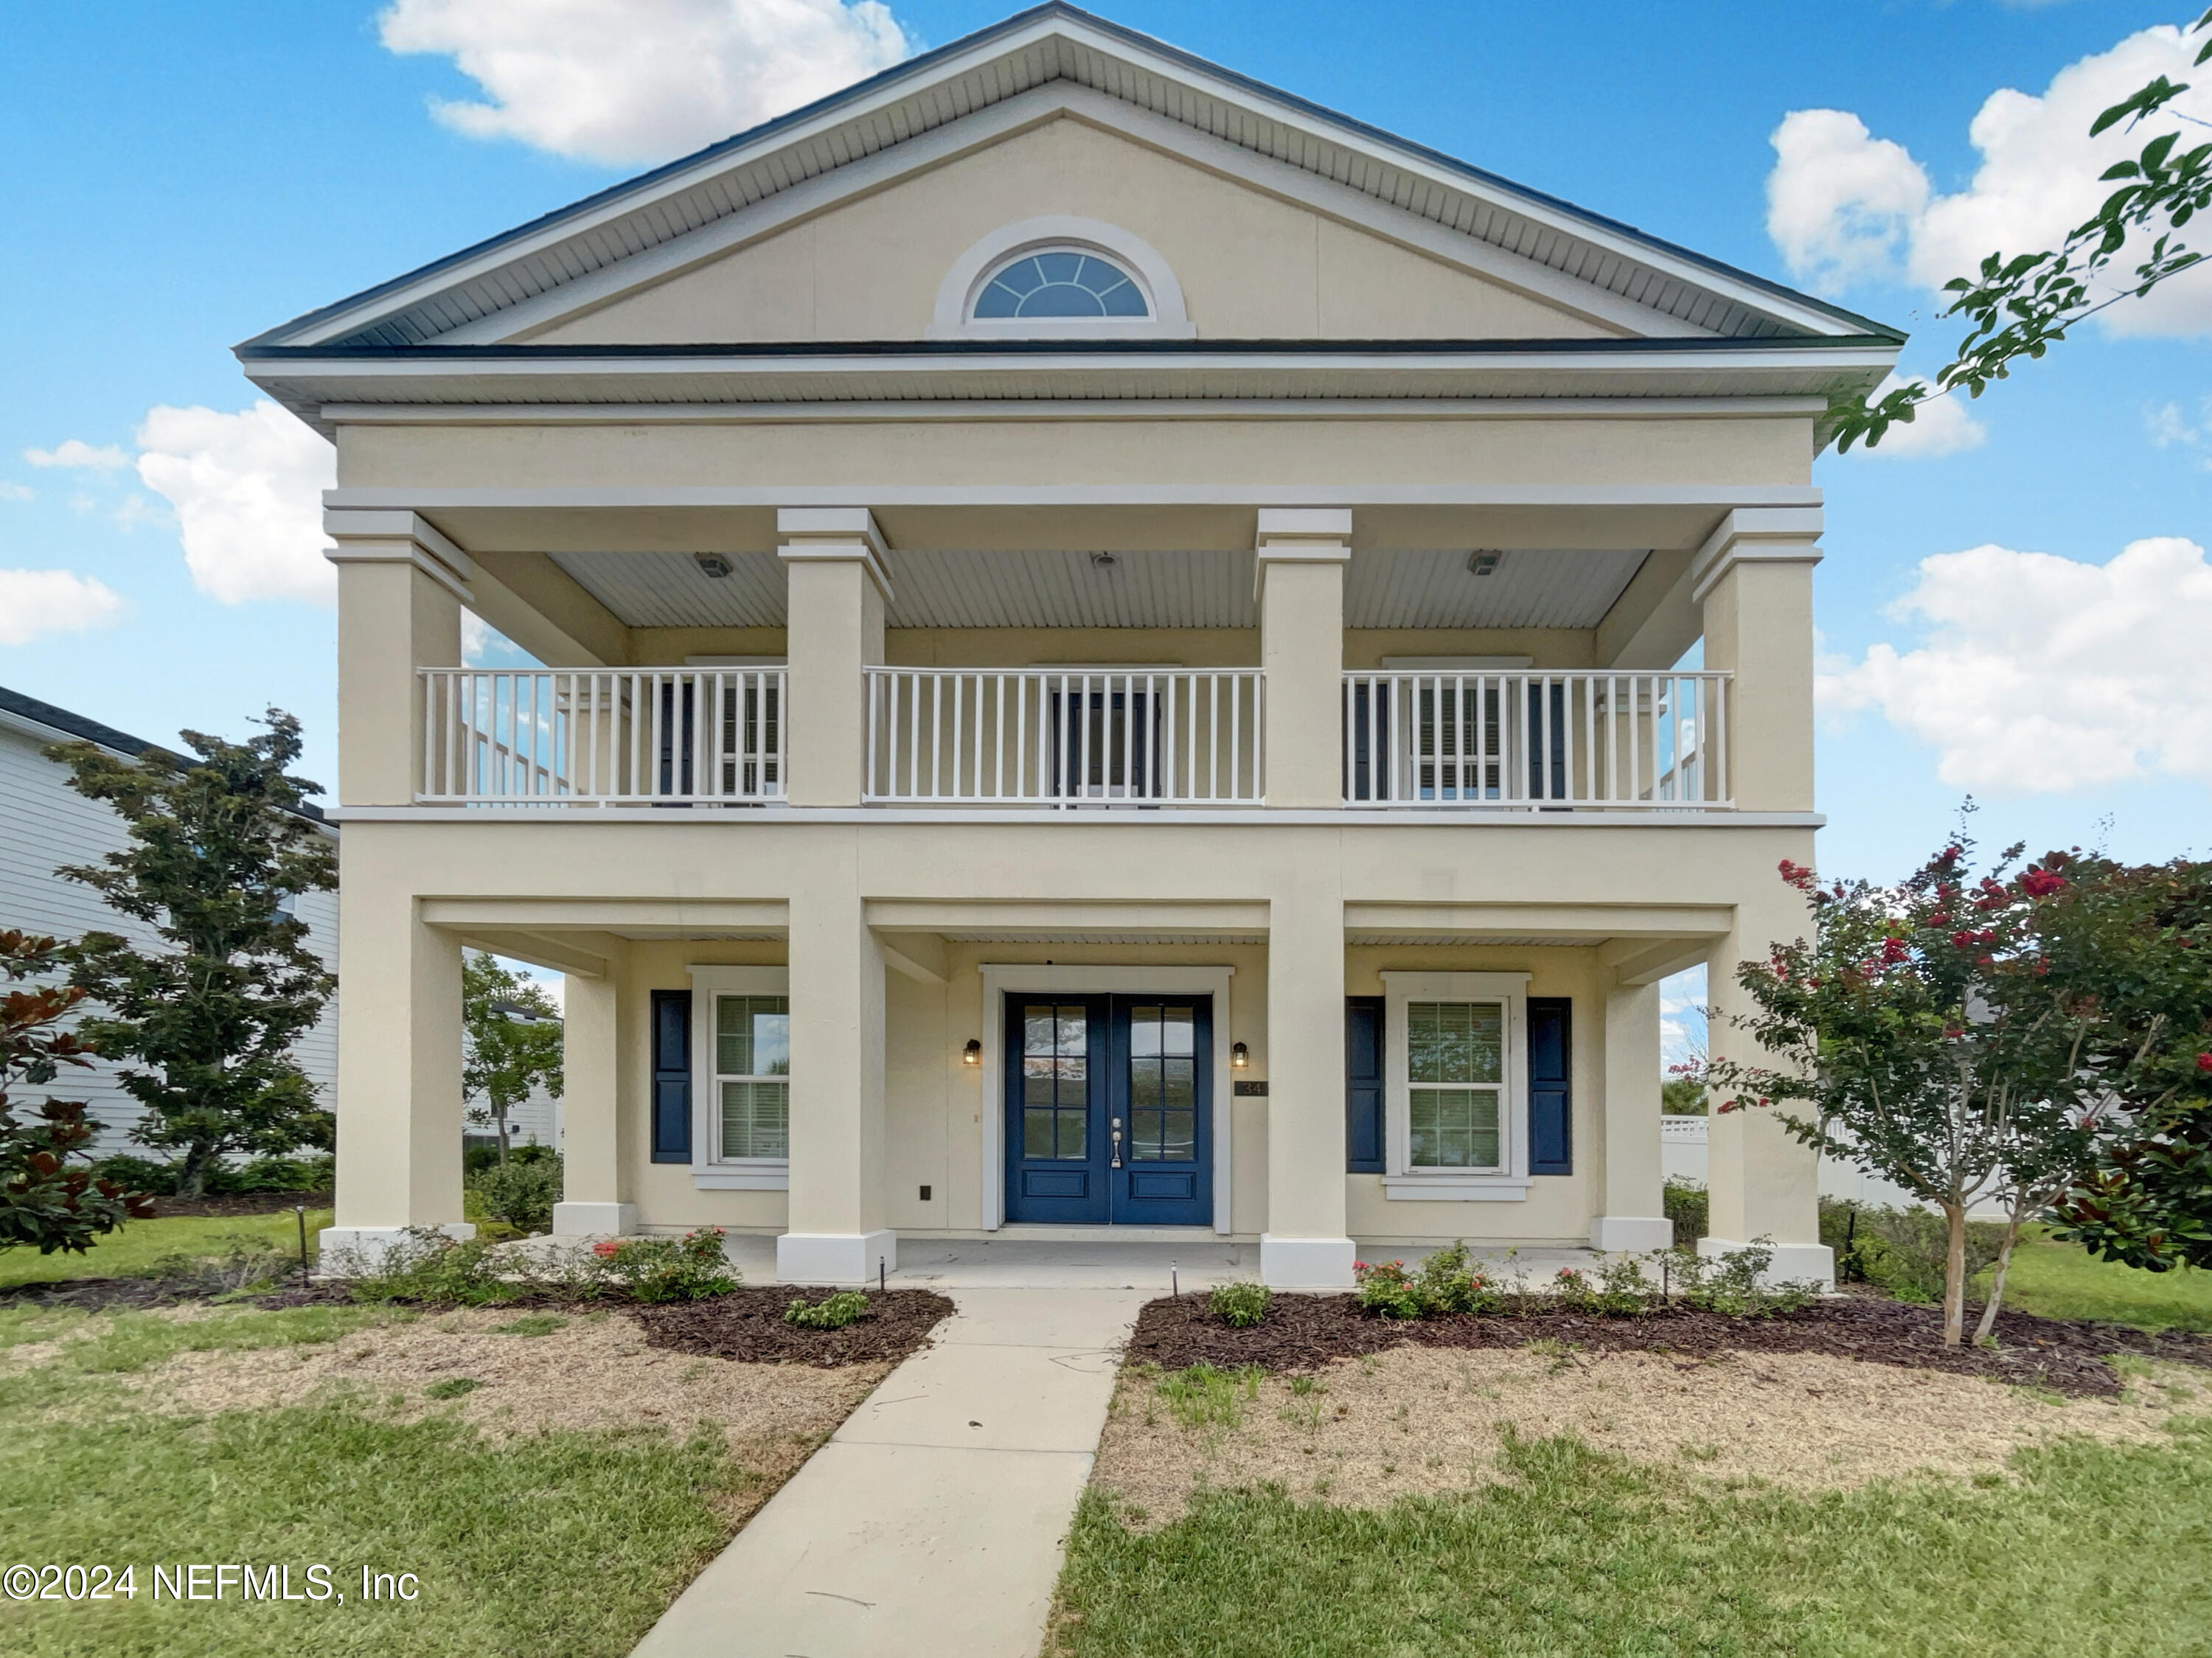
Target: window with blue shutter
(1551,1106)
(1363,1085)
(671,1076)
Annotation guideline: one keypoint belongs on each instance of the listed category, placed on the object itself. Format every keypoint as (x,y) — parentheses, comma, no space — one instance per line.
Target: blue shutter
(1550,1105)
(671,1076)
(1363,1085)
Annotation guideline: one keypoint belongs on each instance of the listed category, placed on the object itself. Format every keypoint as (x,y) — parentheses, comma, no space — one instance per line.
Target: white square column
(1633,1217)
(596,1180)
(1299,580)
(1306,1246)
(836,588)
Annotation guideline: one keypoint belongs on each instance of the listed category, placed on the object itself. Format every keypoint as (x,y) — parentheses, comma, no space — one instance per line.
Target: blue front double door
(1108,1099)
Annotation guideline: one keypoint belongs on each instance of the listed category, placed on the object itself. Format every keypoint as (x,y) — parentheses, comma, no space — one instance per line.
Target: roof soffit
(1050,61)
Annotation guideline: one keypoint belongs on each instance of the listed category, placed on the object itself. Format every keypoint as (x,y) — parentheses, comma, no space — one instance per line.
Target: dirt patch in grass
(1302,1332)
(1361,1432)
(748,1325)
(93,1295)
(531,1371)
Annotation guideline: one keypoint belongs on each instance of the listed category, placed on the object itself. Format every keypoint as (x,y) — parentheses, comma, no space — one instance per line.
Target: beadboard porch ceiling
(1385,587)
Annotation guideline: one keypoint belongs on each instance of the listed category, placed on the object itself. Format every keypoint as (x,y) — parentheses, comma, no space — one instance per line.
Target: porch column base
(1631,1234)
(343,1250)
(576,1220)
(1306,1263)
(1792,1262)
(834,1257)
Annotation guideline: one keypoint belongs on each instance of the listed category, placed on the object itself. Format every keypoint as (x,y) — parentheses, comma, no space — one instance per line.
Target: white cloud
(247,490)
(1845,206)
(16,491)
(35,601)
(2042,674)
(76,453)
(1941,426)
(2168,426)
(644,80)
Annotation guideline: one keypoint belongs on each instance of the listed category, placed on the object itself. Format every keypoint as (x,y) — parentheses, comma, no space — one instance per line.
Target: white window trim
(1403,1182)
(1044,979)
(956,295)
(708,1172)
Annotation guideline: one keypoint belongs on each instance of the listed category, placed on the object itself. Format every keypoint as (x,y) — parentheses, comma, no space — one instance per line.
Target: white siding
(45,822)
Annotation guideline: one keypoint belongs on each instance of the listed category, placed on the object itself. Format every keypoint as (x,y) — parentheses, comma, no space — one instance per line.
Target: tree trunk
(1997,1278)
(192,1172)
(499,1121)
(1954,1277)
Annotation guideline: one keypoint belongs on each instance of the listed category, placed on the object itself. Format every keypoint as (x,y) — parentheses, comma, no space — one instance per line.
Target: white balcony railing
(1169,737)
(1535,740)
(602,736)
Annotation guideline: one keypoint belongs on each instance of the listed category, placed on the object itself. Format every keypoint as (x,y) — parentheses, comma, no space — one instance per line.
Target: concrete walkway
(933,1522)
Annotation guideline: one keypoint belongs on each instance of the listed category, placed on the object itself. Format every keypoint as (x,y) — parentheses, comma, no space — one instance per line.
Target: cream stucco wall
(1250,264)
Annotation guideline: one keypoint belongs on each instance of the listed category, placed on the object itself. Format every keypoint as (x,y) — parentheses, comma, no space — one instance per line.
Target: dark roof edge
(1698,344)
(122,743)
(928,60)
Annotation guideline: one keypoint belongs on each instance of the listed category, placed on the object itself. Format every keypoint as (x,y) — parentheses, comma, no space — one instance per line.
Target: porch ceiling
(1386,588)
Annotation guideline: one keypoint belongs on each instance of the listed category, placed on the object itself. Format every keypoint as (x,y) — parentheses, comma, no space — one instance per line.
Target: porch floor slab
(934,1521)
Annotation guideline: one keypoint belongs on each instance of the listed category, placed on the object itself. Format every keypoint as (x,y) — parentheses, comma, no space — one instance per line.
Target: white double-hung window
(741,1076)
(1455,1064)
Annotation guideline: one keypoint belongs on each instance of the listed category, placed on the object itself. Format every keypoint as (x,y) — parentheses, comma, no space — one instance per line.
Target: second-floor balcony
(1057,739)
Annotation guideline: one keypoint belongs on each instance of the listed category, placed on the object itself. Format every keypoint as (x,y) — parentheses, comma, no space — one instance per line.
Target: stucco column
(1299,583)
(1753,580)
(1305,1245)
(836,1232)
(836,587)
(1631,1215)
(399,1069)
(401,588)
(595,1177)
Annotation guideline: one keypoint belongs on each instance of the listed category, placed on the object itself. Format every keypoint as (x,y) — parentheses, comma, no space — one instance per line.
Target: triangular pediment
(1280,220)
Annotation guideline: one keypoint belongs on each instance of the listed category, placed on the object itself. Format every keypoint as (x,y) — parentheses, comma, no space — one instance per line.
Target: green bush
(1239,1306)
(432,1268)
(832,1313)
(475,1159)
(521,1192)
(1903,1251)
(1445,1283)
(1686,1204)
(135,1174)
(223,1180)
(1618,1289)
(1729,1283)
(689,1268)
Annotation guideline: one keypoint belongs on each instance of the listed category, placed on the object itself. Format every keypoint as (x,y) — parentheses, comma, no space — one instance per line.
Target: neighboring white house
(1114,665)
(45,822)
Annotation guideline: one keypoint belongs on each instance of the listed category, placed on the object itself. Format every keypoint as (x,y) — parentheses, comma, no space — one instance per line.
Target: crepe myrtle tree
(2021,305)
(511,1039)
(203,1025)
(2139,941)
(1924,1035)
(44,1200)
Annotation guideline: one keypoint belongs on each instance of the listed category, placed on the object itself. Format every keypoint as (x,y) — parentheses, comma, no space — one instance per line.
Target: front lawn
(2063,1280)
(2098,1551)
(142,1243)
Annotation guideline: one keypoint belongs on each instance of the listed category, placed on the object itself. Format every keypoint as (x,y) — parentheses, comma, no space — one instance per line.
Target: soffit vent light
(713,563)
(1482,562)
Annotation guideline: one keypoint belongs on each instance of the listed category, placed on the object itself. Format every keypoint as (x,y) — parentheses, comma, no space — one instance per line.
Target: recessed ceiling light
(1482,563)
(713,563)
(1104,561)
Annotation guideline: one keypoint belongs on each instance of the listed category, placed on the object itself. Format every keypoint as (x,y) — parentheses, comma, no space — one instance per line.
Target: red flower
(606,1247)
(2040,882)
(2204,1061)
(1892,951)
(1797,875)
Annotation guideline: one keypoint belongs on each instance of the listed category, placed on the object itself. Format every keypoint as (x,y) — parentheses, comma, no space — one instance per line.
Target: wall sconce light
(1240,1057)
(713,563)
(1482,563)
(973,1054)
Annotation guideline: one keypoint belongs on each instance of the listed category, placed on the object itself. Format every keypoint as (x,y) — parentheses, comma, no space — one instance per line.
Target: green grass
(2096,1551)
(2063,1280)
(142,1242)
(563,1545)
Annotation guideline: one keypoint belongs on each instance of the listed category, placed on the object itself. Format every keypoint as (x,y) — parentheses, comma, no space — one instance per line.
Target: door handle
(1117,1142)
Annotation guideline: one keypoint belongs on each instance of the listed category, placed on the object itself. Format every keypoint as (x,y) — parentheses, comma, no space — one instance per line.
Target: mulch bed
(93,1295)
(747,1324)
(1303,1332)
(243,1202)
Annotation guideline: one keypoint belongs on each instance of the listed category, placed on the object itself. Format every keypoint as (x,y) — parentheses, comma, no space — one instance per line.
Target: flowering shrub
(1386,1288)
(1445,1283)
(689,1268)
(1239,1306)
(429,1267)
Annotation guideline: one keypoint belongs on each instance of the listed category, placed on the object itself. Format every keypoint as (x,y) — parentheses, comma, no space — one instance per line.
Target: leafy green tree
(205,1026)
(2138,942)
(2019,306)
(511,1031)
(1927,1031)
(42,1199)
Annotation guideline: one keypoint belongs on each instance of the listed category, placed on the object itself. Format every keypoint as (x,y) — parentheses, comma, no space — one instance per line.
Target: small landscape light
(1240,1057)
(973,1054)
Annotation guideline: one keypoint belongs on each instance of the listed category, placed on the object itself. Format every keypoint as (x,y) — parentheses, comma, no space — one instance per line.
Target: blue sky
(176,179)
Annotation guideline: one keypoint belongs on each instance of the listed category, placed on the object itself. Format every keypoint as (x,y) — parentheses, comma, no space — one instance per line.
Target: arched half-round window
(1060,283)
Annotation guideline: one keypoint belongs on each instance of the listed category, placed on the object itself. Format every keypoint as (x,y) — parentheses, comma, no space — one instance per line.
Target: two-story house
(1124,657)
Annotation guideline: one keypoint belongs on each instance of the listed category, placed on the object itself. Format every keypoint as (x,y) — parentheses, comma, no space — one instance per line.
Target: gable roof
(1056,44)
